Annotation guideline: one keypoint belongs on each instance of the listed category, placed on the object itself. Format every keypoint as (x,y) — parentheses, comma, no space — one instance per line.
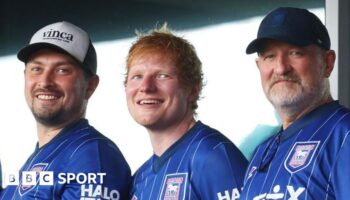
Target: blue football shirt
(308,160)
(203,164)
(84,165)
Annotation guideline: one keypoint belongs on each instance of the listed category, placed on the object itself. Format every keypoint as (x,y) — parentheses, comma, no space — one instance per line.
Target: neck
(162,139)
(47,132)
(289,115)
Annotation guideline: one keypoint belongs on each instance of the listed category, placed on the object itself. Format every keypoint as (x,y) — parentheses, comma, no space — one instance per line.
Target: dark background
(113,19)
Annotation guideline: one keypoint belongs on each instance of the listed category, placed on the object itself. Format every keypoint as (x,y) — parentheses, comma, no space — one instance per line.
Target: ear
(92,85)
(257,62)
(329,61)
(193,93)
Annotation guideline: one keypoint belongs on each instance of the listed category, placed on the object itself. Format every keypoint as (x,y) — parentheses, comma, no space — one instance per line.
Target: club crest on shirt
(300,156)
(174,187)
(39,167)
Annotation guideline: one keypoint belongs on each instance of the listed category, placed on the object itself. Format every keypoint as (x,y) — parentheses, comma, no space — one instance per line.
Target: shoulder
(338,124)
(333,115)
(142,171)
(207,139)
(92,148)
(212,145)
(90,138)
(343,116)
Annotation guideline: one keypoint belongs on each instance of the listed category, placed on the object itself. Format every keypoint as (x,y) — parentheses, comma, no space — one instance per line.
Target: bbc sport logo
(91,183)
(47,178)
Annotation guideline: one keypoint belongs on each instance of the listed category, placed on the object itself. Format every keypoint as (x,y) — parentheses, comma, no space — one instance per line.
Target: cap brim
(24,54)
(255,45)
(258,44)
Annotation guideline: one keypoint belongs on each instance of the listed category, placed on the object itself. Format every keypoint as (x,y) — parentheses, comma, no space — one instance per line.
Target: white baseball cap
(66,37)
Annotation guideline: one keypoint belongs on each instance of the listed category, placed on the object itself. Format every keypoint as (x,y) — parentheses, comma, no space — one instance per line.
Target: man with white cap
(72,160)
(309,157)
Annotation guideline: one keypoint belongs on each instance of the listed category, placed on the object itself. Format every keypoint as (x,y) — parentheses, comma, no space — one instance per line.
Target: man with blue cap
(309,157)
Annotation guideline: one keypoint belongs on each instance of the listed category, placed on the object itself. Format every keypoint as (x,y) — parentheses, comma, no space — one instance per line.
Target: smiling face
(154,94)
(294,76)
(56,89)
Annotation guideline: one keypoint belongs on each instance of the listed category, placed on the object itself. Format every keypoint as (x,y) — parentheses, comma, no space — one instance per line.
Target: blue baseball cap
(295,26)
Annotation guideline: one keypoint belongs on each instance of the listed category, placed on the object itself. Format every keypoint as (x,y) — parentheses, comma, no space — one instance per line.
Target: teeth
(47,97)
(149,102)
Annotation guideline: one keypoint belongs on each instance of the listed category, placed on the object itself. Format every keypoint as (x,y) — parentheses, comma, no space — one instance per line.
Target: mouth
(283,81)
(47,97)
(149,102)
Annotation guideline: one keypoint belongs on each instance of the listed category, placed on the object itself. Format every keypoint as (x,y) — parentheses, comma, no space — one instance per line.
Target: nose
(148,84)
(46,80)
(282,65)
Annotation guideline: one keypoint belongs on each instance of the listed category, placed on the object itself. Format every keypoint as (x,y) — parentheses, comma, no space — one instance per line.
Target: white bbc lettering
(46,178)
(12,178)
(229,196)
(29,178)
(81,178)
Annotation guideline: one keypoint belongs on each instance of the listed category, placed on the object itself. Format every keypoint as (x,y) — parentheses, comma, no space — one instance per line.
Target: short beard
(301,98)
(49,118)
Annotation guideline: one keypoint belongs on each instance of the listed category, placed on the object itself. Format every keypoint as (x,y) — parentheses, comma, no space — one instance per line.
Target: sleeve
(340,178)
(101,173)
(221,174)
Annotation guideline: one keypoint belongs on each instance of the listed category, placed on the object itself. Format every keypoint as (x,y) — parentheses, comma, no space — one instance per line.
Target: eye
(34,69)
(163,76)
(296,52)
(136,77)
(63,70)
(268,56)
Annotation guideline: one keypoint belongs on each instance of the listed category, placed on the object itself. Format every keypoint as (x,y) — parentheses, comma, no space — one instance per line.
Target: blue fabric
(77,149)
(311,162)
(203,164)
